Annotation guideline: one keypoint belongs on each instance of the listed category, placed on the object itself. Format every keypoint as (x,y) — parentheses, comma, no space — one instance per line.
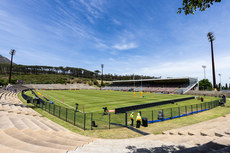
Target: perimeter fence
(93,121)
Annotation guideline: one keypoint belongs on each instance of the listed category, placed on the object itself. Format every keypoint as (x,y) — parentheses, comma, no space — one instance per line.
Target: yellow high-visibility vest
(138,118)
(131,116)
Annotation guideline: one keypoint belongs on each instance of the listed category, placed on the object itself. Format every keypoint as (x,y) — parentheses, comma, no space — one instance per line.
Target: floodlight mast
(204,66)
(12,53)
(134,85)
(102,66)
(211,38)
(141,83)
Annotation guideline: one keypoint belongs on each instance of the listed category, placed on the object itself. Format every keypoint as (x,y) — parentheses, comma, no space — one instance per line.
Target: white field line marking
(62,102)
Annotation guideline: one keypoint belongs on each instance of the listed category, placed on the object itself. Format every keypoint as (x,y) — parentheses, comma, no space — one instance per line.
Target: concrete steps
(24,130)
(14,143)
(52,138)
(18,109)
(32,139)
(6,149)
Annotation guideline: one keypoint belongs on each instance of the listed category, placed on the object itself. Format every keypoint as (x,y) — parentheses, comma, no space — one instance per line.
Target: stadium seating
(173,85)
(24,130)
(59,86)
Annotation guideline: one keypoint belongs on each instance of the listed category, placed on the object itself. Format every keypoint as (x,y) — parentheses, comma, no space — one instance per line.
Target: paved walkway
(208,136)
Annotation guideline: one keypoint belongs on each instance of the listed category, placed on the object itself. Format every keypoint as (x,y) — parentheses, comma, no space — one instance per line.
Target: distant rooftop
(166,79)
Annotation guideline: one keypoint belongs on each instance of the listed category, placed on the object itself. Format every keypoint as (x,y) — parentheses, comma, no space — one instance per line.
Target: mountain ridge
(4,60)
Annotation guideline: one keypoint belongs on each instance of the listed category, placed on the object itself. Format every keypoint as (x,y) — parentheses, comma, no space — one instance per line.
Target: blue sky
(145,37)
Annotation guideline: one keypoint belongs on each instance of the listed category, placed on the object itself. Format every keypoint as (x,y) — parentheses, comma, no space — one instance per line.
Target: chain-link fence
(95,120)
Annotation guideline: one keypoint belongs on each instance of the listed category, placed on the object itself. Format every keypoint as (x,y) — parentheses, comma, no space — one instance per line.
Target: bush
(2,82)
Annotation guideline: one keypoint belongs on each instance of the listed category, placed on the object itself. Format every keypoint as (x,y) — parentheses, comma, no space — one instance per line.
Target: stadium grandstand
(169,85)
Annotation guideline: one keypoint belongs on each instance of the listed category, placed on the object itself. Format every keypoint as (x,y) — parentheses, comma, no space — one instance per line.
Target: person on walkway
(138,120)
(131,118)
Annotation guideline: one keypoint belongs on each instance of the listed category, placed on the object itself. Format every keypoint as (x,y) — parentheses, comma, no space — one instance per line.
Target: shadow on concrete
(131,128)
(209,147)
(138,131)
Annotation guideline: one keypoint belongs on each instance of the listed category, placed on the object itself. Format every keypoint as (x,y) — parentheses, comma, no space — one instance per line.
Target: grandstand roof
(165,80)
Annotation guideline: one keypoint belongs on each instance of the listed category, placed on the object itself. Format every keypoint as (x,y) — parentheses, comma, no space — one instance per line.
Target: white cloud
(116,22)
(125,46)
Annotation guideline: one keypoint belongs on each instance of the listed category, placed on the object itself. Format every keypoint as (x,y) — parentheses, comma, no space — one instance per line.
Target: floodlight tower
(229,83)
(211,38)
(134,85)
(141,87)
(12,53)
(203,66)
(102,66)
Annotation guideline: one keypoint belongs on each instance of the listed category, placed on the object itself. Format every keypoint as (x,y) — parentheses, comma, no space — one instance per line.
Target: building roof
(158,80)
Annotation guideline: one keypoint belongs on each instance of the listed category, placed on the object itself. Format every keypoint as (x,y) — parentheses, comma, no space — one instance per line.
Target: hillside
(4,60)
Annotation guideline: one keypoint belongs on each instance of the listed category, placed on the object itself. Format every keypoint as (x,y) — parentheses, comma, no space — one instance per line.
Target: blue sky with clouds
(144,37)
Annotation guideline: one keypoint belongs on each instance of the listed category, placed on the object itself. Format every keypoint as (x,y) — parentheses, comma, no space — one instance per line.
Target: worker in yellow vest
(131,118)
(138,120)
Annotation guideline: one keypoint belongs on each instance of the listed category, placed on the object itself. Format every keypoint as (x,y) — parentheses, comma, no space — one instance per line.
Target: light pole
(134,85)
(211,39)
(102,66)
(12,53)
(229,83)
(220,81)
(203,66)
(141,87)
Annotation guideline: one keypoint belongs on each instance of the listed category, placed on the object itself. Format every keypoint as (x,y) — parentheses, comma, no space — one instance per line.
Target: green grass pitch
(94,100)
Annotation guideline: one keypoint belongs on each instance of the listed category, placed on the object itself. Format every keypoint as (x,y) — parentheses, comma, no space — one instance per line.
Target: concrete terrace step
(18,123)
(52,138)
(41,125)
(21,145)
(31,124)
(52,124)
(114,146)
(5,122)
(31,139)
(6,149)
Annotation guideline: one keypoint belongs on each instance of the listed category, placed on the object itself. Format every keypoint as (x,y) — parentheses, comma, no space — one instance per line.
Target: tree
(211,39)
(226,86)
(205,85)
(96,73)
(190,6)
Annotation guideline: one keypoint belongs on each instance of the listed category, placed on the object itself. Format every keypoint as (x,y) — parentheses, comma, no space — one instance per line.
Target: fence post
(54,109)
(45,106)
(191,109)
(197,107)
(186,110)
(66,114)
(49,107)
(74,118)
(59,111)
(152,115)
(109,120)
(91,121)
(126,119)
(84,121)
(179,111)
(205,105)
(171,113)
(201,106)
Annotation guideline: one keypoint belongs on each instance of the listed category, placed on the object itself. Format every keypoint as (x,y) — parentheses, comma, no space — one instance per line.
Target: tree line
(71,71)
